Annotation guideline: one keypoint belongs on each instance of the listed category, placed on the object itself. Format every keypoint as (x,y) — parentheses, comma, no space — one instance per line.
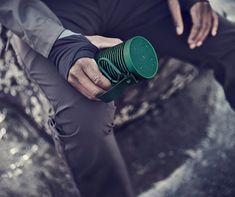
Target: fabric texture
(33,22)
(67,50)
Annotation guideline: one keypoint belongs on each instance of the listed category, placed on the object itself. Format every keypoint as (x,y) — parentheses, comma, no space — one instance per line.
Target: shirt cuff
(69,48)
(67,33)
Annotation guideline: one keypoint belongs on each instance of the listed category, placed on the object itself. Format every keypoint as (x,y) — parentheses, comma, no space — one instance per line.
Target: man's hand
(85,75)
(204,20)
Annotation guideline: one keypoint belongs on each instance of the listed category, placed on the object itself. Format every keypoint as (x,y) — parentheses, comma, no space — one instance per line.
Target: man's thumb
(175,11)
(103,42)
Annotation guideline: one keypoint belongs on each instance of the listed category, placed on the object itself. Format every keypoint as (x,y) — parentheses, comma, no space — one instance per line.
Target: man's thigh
(152,19)
(80,16)
(73,111)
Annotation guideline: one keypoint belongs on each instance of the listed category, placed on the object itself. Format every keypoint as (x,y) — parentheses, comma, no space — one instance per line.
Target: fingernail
(179,30)
(214,33)
(190,41)
(199,44)
(192,46)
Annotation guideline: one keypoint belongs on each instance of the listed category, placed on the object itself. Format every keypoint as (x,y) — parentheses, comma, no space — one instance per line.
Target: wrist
(68,48)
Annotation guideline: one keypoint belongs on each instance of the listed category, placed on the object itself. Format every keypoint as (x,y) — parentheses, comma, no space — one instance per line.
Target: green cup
(127,64)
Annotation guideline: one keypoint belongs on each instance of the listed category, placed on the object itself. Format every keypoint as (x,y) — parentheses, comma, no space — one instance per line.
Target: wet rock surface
(176,143)
(187,147)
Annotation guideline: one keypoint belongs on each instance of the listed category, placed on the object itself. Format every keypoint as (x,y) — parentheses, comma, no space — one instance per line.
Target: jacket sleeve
(33,22)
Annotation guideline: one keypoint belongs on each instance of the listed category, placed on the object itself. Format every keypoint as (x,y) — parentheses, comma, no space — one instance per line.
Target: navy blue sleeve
(67,50)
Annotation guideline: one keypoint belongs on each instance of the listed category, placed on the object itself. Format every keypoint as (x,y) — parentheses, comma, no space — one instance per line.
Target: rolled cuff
(67,50)
(42,45)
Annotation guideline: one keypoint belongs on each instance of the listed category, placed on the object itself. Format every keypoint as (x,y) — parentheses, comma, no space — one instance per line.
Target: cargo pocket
(60,140)
(59,145)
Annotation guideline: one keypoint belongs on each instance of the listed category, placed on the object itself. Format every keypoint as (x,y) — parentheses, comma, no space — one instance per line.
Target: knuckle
(98,39)
(74,80)
(94,93)
(94,38)
(72,70)
(89,64)
(197,26)
(70,80)
(94,64)
(85,66)
(83,61)
(80,61)
(90,97)
(71,77)
(118,40)
(73,74)
(97,79)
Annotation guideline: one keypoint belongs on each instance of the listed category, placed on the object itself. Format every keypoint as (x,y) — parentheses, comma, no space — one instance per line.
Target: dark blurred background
(176,132)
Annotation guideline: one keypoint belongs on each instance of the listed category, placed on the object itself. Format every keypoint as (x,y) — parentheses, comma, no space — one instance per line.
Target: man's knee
(81,114)
(80,129)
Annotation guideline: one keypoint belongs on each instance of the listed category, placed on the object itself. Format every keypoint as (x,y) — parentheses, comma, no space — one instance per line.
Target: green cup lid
(140,57)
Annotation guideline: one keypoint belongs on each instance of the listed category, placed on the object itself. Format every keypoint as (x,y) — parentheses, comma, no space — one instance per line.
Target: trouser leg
(152,19)
(84,131)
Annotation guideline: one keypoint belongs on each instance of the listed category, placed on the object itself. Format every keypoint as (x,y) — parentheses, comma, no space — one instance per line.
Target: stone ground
(188,145)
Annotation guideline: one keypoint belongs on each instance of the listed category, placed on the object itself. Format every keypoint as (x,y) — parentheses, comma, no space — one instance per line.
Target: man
(82,125)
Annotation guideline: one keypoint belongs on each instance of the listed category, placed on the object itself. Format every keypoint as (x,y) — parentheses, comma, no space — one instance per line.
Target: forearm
(32,21)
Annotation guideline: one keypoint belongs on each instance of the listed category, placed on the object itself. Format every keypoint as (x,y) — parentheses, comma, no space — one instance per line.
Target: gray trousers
(83,129)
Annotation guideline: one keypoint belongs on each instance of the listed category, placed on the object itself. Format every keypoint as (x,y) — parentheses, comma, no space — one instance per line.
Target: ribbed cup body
(136,56)
(116,57)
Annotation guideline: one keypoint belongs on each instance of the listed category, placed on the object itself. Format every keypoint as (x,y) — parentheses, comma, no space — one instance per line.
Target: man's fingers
(176,15)
(207,29)
(204,20)
(204,31)
(103,42)
(83,84)
(73,80)
(92,71)
(81,78)
(195,30)
(203,36)
(83,90)
(215,24)
(109,42)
